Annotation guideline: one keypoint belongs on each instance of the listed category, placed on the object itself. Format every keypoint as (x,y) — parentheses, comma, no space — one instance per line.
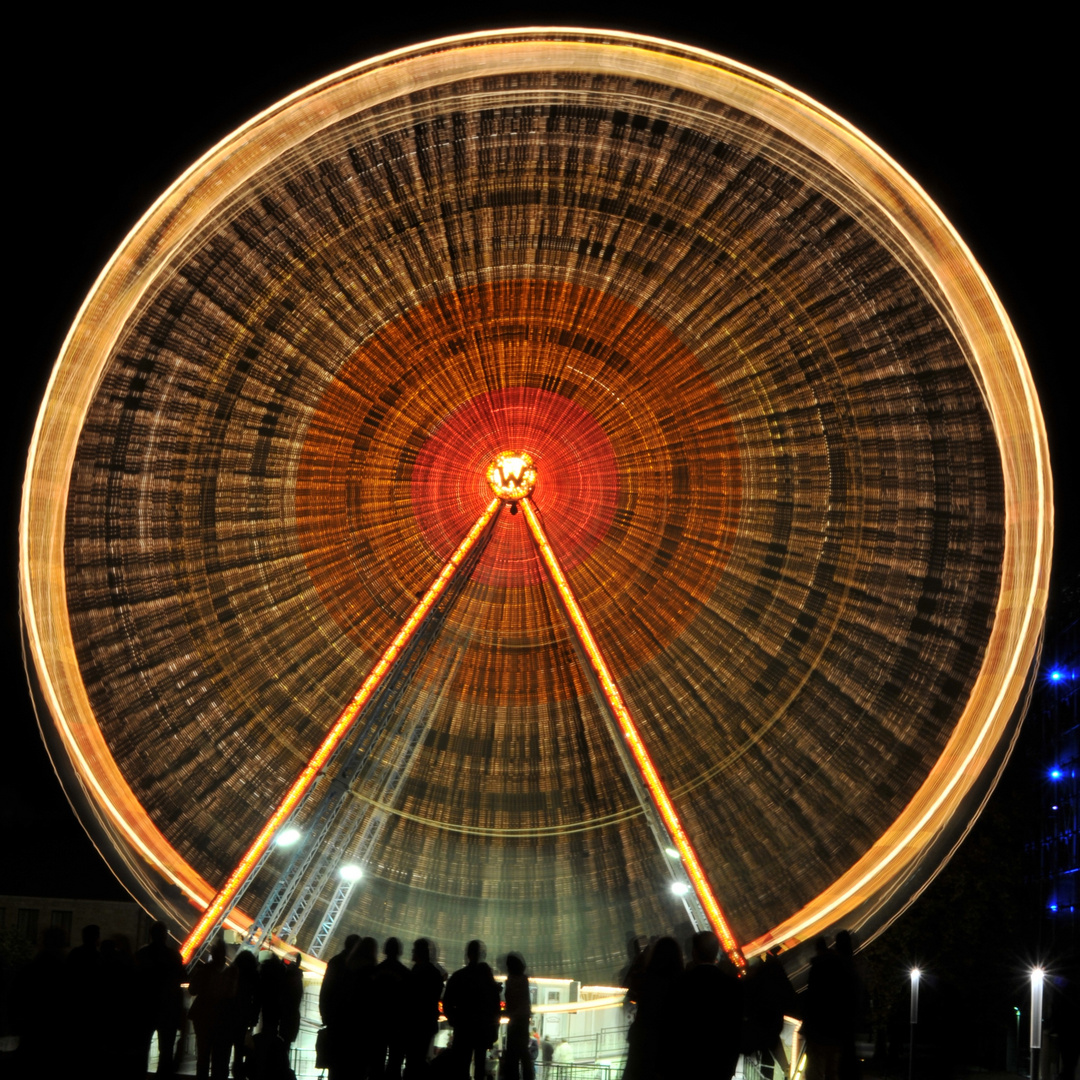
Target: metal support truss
(313,863)
(224,900)
(660,811)
(377,818)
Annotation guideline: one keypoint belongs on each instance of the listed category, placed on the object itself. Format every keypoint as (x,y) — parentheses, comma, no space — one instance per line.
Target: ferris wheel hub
(512,475)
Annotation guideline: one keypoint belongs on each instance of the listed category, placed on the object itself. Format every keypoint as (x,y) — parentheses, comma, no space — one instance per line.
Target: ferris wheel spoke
(220,907)
(647,773)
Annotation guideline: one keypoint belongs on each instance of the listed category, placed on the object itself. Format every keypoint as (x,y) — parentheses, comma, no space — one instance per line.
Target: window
(26,923)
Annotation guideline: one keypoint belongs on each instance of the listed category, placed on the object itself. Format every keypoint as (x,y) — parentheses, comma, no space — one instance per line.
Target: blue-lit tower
(1058,852)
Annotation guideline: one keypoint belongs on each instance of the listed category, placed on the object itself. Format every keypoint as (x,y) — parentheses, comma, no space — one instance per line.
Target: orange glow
(641,756)
(344,722)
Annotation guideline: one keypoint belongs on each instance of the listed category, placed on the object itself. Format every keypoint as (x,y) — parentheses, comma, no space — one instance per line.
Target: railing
(575,1071)
(612,1042)
(751,1068)
(302,1060)
(584,1047)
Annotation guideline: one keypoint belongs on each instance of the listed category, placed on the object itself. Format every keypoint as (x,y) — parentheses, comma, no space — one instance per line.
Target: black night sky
(117,108)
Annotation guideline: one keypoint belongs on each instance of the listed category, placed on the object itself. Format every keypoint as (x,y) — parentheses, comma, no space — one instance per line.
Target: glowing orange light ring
(629,729)
(344,722)
(898,206)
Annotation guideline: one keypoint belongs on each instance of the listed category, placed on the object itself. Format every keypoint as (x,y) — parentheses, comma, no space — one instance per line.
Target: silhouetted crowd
(381,1017)
(100,1003)
(695,1019)
(103,1003)
(832,1006)
(231,1001)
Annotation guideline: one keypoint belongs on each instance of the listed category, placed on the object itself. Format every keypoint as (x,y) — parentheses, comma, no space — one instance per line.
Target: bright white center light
(680,888)
(671,853)
(351,873)
(512,475)
(288,837)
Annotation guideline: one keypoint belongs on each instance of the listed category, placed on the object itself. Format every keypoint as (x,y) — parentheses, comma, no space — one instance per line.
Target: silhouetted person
(213,985)
(471,1003)
(281,989)
(85,1007)
(334,1008)
(246,1008)
(767,997)
(517,1061)
(363,1047)
(159,973)
(708,1012)
(423,990)
(632,975)
(43,1028)
(651,1038)
(390,981)
(120,1035)
(87,956)
(854,1007)
(825,1014)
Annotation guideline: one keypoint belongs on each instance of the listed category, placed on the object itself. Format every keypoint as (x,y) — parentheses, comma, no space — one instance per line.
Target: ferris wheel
(568,483)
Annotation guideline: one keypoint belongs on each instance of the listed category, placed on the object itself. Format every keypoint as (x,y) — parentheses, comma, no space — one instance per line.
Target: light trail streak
(219,906)
(644,762)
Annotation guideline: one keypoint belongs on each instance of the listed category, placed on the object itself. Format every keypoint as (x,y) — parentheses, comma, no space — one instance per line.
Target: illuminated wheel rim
(788,450)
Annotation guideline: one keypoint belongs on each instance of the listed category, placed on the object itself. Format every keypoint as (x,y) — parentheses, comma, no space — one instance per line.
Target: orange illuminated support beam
(661,799)
(221,904)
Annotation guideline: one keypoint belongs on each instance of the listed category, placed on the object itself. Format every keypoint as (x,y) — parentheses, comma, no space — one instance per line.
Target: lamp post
(1037,975)
(1016,1009)
(915,973)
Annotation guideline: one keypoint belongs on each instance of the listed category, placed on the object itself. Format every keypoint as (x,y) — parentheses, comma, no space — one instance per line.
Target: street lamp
(1016,1009)
(1037,976)
(915,974)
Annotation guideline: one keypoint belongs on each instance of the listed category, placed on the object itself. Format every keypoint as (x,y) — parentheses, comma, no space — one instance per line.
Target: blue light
(1053,907)
(1055,774)
(1056,674)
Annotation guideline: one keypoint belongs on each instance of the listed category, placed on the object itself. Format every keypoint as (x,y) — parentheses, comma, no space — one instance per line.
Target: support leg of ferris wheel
(377,818)
(219,908)
(329,830)
(701,903)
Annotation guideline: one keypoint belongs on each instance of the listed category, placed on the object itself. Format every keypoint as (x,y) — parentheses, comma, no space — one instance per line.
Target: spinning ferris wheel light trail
(222,903)
(805,503)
